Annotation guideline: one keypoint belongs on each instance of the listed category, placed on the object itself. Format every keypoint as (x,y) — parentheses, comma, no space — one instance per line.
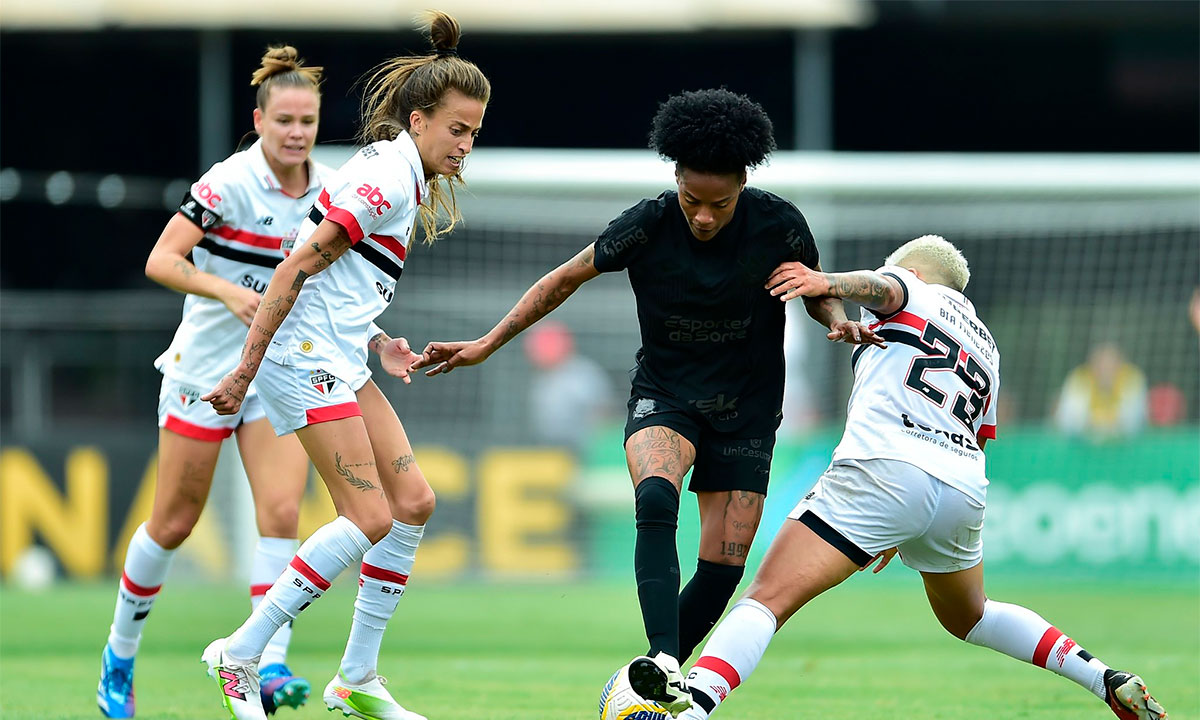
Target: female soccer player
(907,477)
(233,222)
(708,387)
(307,349)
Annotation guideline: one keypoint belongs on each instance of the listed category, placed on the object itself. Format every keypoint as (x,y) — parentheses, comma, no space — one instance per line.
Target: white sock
(271,557)
(381,583)
(1021,633)
(731,654)
(334,547)
(146,566)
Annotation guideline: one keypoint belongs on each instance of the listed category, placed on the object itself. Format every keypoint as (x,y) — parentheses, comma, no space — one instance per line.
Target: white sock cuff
(352,531)
(977,634)
(146,544)
(276,547)
(756,605)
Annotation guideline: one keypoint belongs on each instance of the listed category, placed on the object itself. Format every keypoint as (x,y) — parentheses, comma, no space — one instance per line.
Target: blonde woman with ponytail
(307,355)
(234,223)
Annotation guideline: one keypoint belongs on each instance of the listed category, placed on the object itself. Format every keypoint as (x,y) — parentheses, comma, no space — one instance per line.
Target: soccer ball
(618,701)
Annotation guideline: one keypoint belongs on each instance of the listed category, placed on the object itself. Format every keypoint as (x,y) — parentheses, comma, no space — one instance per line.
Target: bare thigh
(798,566)
(277,469)
(728,521)
(659,451)
(410,498)
(956,598)
(341,451)
(185,473)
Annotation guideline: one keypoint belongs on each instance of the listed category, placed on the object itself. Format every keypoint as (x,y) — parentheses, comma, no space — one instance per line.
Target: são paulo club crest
(188,396)
(322,381)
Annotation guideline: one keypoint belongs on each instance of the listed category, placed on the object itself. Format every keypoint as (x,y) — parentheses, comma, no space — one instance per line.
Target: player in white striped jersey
(232,223)
(306,352)
(907,477)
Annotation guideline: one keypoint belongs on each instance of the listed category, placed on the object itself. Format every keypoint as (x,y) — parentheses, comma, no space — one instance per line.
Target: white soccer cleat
(1128,697)
(238,682)
(659,679)
(369,700)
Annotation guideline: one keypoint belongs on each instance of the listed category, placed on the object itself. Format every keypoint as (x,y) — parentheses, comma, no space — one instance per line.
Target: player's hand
(398,359)
(442,357)
(227,396)
(792,279)
(242,302)
(854,333)
(884,558)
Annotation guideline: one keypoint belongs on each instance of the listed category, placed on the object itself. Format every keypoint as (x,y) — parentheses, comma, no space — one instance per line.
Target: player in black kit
(708,386)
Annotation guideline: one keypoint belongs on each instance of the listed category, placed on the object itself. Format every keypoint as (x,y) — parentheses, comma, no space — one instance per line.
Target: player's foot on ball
(1128,698)
(238,680)
(659,679)
(114,695)
(280,688)
(369,699)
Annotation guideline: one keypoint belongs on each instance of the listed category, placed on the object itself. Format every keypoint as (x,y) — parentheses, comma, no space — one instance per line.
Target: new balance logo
(266,220)
(232,680)
(720,691)
(1063,649)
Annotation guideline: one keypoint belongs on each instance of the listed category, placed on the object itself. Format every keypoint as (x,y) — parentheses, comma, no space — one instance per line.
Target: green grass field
(870,649)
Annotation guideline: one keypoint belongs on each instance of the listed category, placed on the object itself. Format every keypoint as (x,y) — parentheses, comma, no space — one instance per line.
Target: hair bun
(444,32)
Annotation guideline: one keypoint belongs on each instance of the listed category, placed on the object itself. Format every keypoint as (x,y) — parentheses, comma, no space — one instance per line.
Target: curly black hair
(712,131)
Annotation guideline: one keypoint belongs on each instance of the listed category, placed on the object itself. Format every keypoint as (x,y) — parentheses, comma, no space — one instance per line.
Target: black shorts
(724,460)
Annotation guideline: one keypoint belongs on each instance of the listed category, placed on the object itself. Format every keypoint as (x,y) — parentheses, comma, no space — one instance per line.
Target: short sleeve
(212,200)
(618,246)
(375,201)
(902,276)
(802,247)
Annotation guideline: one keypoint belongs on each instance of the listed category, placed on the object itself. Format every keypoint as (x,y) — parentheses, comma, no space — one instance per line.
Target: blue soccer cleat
(281,688)
(114,695)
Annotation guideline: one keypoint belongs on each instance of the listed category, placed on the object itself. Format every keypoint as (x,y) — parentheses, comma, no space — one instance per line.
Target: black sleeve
(620,242)
(801,245)
(194,210)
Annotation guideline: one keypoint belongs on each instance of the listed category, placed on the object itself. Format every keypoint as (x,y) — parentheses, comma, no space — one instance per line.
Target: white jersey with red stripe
(930,396)
(374,197)
(247,218)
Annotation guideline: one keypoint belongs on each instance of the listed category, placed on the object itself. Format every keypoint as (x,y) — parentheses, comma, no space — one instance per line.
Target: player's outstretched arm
(537,302)
(822,301)
(327,243)
(169,266)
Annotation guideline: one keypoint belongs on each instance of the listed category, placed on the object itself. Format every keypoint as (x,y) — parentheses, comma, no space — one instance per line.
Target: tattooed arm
(327,243)
(169,266)
(537,302)
(822,292)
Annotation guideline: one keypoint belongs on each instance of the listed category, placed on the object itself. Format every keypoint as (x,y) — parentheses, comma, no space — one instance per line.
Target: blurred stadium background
(1055,142)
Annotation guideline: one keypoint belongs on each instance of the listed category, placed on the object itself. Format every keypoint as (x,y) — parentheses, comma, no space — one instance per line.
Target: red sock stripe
(139,590)
(378,573)
(722,668)
(259,590)
(1045,645)
(313,576)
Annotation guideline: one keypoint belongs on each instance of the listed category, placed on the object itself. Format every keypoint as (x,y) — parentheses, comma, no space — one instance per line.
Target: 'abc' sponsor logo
(374,198)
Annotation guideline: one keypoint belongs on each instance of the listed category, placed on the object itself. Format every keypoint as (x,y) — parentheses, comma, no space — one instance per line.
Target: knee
(961,622)
(773,599)
(656,504)
(278,519)
(170,533)
(416,507)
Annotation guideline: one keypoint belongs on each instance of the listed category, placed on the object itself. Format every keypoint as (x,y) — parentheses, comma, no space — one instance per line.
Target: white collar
(266,176)
(408,148)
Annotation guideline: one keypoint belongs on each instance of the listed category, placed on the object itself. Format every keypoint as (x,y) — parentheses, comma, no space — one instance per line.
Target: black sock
(703,600)
(656,563)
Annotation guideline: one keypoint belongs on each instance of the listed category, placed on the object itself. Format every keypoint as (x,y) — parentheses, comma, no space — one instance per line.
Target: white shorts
(181,411)
(297,397)
(863,507)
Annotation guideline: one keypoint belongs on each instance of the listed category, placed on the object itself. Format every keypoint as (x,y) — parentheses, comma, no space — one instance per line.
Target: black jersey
(712,335)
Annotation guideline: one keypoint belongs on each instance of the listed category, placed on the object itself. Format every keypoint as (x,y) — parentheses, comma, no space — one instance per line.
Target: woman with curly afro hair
(707,390)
